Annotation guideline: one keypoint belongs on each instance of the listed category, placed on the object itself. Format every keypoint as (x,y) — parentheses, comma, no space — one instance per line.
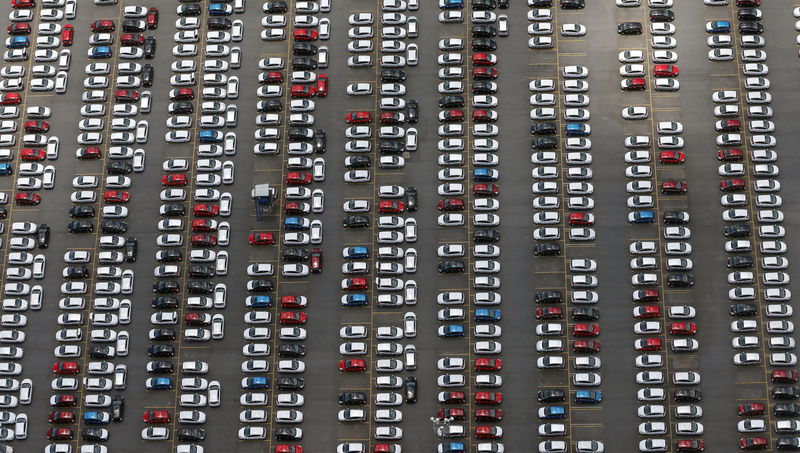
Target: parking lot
(253,308)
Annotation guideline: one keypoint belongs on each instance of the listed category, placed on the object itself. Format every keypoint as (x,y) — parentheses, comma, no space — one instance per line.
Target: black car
(744,310)
(300,133)
(788,443)
(451,267)
(481,87)
(484,44)
(3,212)
(738,262)
(113,226)
(585,314)
(94,434)
(749,27)
(169,256)
(786,410)
(661,15)
(680,280)
(190,10)
(737,231)
(80,226)
(320,141)
(691,395)
(551,396)
(546,128)
(484,31)
(544,143)
(358,162)
(80,212)
(540,3)
(257,286)
(391,147)
(161,367)
(451,101)
(290,383)
(352,398)
(75,272)
(356,221)
(118,408)
(275,7)
(411,390)
(201,271)
(101,352)
(630,28)
(486,235)
(546,249)
(785,393)
(412,202)
(162,334)
(191,434)
(147,75)
(572,4)
(166,287)
(43,236)
(676,217)
(270,105)
(164,303)
(750,14)
(149,49)
(131,249)
(304,48)
(393,75)
(219,23)
(161,350)
(198,287)
(304,64)
(119,168)
(134,26)
(291,350)
(413,111)
(295,254)
(288,434)
(548,297)
(173,210)
(483,5)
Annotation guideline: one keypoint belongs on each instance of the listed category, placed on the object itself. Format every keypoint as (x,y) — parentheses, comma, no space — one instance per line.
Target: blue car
(96,418)
(588,397)
(552,413)
(209,136)
(641,217)
(295,223)
(160,383)
(17,41)
(718,26)
(220,9)
(355,252)
(451,4)
(487,314)
(485,174)
(6,168)
(100,52)
(255,383)
(452,447)
(451,330)
(355,300)
(258,302)
(578,129)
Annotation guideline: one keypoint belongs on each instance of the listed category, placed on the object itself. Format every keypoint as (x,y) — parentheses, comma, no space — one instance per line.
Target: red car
(23,4)
(665,70)
(273,77)
(203,240)
(32,154)
(352,365)
(205,210)
(303,91)
(61,417)
(452,398)
(585,346)
(728,126)
(59,434)
(67,34)
(484,73)
(131,39)
(296,207)
(730,154)
(293,302)
(485,398)
(27,199)
(286,448)
(483,116)
(456,413)
(646,311)
(352,284)
(784,376)
(305,34)
(488,364)
(358,118)
(748,3)
(391,206)
(197,319)
(634,85)
(452,116)
(488,415)
(585,330)
(297,177)
(484,59)
(488,432)
(693,446)
(646,295)
(261,239)
(173,179)
(66,368)
(152,18)
(386,448)
(19,29)
(671,157)
(485,189)
(451,204)
(10,99)
(64,400)
(204,225)
(116,196)
(102,25)
(683,328)
(674,187)
(293,317)
(322,85)
(581,218)
(391,118)
(549,313)
(156,417)
(181,94)
(753,443)
(732,185)
(88,153)
(750,409)
(316,260)
(647,344)
(127,96)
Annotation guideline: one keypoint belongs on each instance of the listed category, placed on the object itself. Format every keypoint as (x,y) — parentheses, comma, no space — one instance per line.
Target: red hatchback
(581,218)
(451,204)
(647,344)
(32,154)
(19,29)
(732,185)
(293,317)
(753,443)
(646,311)
(63,400)
(488,415)
(273,77)
(665,70)
(784,376)
(456,413)
(488,432)
(730,154)
(646,295)
(261,239)
(585,346)
(102,25)
(116,196)
(297,177)
(197,319)
(671,157)
(674,187)
(322,85)
(10,99)
(286,448)
(352,365)
(750,409)
(127,96)
(483,116)
(293,302)
(486,398)
(67,34)
(489,190)
(203,240)
(452,398)
(296,207)
(66,368)
(316,260)
(391,118)
(452,116)
(152,18)
(484,59)
(391,206)
(305,34)
(488,364)
(90,152)
(549,313)
(585,330)
(181,94)
(303,91)
(693,446)
(156,417)
(27,199)
(354,284)
(61,417)
(204,225)
(683,328)
(482,73)
(358,118)
(23,4)
(59,434)
(131,39)
(173,179)
(205,210)
(634,84)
